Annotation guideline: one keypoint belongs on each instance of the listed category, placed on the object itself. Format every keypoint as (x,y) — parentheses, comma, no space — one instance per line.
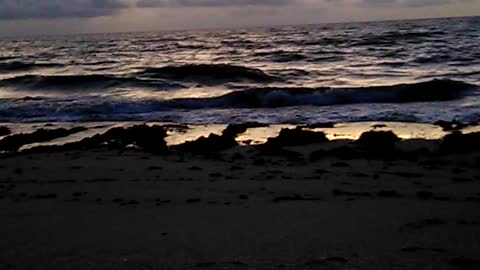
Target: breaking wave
(271,97)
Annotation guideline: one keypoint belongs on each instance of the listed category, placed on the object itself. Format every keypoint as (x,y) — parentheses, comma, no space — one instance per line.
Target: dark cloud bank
(50,9)
(47,9)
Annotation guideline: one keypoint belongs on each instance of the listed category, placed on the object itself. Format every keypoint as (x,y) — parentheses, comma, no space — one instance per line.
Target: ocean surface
(409,71)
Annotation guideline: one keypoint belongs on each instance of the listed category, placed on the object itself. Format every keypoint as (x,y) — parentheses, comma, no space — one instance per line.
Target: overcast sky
(19,17)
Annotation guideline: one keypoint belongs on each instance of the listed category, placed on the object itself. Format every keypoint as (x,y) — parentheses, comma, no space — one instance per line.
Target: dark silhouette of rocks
(458,142)
(233,130)
(4,131)
(378,142)
(297,136)
(451,125)
(213,143)
(14,142)
(148,138)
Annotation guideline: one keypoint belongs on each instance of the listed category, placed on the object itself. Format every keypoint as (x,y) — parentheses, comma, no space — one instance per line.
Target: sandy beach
(315,206)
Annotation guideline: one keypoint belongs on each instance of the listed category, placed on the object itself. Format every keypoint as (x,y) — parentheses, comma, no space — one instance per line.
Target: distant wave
(392,37)
(25,66)
(159,77)
(85,82)
(281,56)
(211,74)
(435,90)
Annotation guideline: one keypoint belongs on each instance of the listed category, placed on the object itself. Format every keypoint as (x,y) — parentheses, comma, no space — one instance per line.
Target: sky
(27,17)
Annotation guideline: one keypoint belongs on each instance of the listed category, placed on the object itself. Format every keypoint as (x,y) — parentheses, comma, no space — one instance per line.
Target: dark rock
(233,130)
(297,136)
(457,142)
(4,131)
(451,125)
(150,139)
(213,143)
(14,142)
(378,141)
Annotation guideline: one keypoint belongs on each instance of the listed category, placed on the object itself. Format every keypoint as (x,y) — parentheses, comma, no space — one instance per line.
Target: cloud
(15,10)
(408,3)
(49,9)
(209,3)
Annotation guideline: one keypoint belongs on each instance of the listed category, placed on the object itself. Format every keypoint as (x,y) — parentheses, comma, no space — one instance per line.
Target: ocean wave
(90,82)
(6,57)
(25,66)
(163,78)
(93,109)
(272,97)
(210,74)
(394,37)
(281,56)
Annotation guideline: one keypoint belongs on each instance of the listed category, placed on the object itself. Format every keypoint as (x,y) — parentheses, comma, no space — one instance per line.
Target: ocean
(417,71)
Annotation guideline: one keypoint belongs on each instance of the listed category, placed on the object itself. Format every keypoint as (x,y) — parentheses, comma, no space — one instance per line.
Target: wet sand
(240,209)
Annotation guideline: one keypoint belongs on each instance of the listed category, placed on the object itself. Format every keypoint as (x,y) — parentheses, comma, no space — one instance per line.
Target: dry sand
(110,209)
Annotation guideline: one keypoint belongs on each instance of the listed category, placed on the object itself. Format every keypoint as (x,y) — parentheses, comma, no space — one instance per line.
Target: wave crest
(209,73)
(430,91)
(90,82)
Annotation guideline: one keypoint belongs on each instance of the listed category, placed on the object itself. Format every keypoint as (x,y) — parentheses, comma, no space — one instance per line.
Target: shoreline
(180,133)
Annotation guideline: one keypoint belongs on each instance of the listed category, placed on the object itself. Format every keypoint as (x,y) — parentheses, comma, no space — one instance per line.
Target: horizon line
(229,28)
